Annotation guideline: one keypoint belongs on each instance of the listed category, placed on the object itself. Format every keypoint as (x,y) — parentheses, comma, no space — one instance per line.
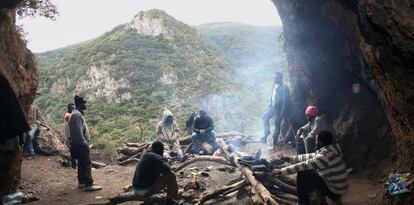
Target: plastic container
(270,142)
(15,198)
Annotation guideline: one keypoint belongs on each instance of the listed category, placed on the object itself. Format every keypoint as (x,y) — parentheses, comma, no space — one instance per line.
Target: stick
(220,160)
(261,190)
(98,165)
(222,190)
(131,196)
(128,161)
(275,181)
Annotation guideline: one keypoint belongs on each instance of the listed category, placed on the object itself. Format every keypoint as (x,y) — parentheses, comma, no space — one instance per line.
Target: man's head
(324,138)
(278,78)
(311,112)
(158,148)
(70,107)
(202,113)
(80,103)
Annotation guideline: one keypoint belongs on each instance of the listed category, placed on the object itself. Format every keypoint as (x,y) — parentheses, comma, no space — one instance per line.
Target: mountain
(130,74)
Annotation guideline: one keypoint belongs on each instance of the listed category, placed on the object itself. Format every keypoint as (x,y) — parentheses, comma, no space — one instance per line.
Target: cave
(332,46)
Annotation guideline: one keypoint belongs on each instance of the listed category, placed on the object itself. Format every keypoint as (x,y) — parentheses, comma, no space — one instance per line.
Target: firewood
(275,181)
(128,150)
(284,201)
(127,161)
(122,158)
(134,144)
(287,180)
(98,165)
(220,160)
(222,190)
(132,196)
(258,186)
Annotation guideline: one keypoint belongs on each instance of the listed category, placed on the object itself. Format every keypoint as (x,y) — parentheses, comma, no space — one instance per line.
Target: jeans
(310,144)
(168,181)
(199,141)
(81,152)
(308,182)
(28,140)
(270,113)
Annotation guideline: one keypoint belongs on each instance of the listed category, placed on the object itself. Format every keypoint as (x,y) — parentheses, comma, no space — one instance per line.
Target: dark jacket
(206,123)
(12,119)
(149,168)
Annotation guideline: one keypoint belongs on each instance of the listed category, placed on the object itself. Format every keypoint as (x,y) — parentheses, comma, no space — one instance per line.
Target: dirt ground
(55,184)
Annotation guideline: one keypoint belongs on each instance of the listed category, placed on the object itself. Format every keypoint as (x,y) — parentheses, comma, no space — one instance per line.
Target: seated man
(204,137)
(167,134)
(152,174)
(316,123)
(329,175)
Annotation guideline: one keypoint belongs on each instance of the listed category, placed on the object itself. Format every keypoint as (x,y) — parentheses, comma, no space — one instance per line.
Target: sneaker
(80,186)
(29,157)
(92,188)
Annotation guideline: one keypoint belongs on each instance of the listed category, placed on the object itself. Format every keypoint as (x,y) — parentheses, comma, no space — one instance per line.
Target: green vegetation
(137,76)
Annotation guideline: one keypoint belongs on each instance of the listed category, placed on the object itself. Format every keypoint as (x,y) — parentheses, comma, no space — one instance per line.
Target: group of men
(319,165)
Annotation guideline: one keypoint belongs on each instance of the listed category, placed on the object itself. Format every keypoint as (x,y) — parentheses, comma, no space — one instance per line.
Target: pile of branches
(131,152)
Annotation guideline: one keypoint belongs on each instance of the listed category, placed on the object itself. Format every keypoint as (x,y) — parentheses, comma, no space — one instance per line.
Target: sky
(81,20)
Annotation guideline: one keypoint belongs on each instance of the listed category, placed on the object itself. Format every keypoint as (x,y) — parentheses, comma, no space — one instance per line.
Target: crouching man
(153,174)
(203,137)
(167,133)
(324,171)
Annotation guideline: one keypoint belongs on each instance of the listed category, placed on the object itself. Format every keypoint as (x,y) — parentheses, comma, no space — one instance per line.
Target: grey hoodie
(79,133)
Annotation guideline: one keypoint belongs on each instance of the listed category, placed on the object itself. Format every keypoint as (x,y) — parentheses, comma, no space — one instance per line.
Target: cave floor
(55,184)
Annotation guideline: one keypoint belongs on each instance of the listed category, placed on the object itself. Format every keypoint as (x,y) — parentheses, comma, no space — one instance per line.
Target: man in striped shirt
(324,171)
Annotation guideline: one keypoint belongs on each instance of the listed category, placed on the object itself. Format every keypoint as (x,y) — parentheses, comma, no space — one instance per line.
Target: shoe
(29,157)
(81,186)
(92,188)
(74,163)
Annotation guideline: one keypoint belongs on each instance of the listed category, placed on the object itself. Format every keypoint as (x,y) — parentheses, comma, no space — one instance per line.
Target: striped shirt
(327,162)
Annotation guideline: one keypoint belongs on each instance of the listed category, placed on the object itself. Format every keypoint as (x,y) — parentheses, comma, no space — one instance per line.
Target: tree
(33,8)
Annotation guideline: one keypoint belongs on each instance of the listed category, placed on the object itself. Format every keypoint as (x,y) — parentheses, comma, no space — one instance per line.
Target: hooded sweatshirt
(167,132)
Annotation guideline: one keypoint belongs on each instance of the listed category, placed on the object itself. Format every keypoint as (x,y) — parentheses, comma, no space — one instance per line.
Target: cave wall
(17,65)
(331,44)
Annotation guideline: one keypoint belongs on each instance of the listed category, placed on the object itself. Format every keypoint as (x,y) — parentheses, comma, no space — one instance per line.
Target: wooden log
(284,201)
(134,144)
(275,181)
(222,190)
(185,140)
(129,151)
(98,165)
(258,186)
(232,134)
(220,160)
(122,158)
(127,161)
(131,196)
(287,180)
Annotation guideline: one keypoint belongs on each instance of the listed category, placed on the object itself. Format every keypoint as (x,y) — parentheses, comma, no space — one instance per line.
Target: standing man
(80,148)
(35,119)
(324,171)
(167,133)
(153,174)
(204,137)
(278,109)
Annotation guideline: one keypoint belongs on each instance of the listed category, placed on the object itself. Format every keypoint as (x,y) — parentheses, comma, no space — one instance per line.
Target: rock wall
(17,65)
(332,44)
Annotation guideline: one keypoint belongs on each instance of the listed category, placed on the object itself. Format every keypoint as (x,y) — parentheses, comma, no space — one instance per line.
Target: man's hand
(284,158)
(202,131)
(276,173)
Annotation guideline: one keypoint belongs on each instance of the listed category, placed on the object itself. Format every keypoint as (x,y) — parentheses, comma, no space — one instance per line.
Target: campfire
(255,175)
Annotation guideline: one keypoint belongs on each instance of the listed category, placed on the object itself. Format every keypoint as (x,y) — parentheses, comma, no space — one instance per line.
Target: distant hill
(132,72)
